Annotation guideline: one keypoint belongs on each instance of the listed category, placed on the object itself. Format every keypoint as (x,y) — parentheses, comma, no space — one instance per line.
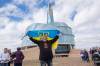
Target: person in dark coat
(18,57)
(86,56)
(82,55)
(96,58)
(92,52)
(46,54)
(9,51)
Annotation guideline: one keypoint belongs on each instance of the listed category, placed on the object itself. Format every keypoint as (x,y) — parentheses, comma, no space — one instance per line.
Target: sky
(82,16)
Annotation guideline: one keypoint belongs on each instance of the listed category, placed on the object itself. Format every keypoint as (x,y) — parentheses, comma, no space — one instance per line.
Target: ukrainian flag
(36,34)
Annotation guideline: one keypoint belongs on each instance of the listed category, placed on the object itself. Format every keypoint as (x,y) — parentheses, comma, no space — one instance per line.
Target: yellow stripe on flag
(54,45)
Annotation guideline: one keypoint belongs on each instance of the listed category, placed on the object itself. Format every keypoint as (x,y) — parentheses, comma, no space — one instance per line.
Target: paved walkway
(72,60)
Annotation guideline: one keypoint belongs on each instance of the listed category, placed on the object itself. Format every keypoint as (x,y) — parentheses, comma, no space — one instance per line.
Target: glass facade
(66,32)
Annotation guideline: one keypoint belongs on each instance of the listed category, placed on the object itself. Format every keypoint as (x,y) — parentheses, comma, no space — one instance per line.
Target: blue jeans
(3,64)
(17,64)
(44,63)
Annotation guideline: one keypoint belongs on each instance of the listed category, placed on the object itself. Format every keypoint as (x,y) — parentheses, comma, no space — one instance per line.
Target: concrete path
(73,60)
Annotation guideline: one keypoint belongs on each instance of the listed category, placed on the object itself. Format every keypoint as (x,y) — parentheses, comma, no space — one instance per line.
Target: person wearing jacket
(86,56)
(82,55)
(0,58)
(45,46)
(18,57)
(96,58)
(4,58)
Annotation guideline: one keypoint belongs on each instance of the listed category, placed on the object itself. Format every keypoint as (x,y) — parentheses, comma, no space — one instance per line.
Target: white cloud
(40,16)
(3,21)
(23,25)
(11,35)
(85,25)
(7,10)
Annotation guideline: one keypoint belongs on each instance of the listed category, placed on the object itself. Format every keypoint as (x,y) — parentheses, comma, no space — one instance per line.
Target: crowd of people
(7,57)
(46,54)
(93,54)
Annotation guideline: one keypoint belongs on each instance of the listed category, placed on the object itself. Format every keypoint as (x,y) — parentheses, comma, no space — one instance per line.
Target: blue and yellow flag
(36,34)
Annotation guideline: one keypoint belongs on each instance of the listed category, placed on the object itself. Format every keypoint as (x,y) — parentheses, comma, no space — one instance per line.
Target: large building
(66,37)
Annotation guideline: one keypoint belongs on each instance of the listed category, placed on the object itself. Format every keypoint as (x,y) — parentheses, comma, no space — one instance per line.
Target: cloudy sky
(82,15)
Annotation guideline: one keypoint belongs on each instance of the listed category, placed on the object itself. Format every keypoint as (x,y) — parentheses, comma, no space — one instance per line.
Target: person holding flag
(46,54)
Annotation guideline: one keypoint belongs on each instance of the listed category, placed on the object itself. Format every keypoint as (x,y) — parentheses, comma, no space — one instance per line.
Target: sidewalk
(73,60)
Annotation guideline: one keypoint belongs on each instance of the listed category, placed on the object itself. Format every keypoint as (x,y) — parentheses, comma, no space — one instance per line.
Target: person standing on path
(46,54)
(18,57)
(4,58)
